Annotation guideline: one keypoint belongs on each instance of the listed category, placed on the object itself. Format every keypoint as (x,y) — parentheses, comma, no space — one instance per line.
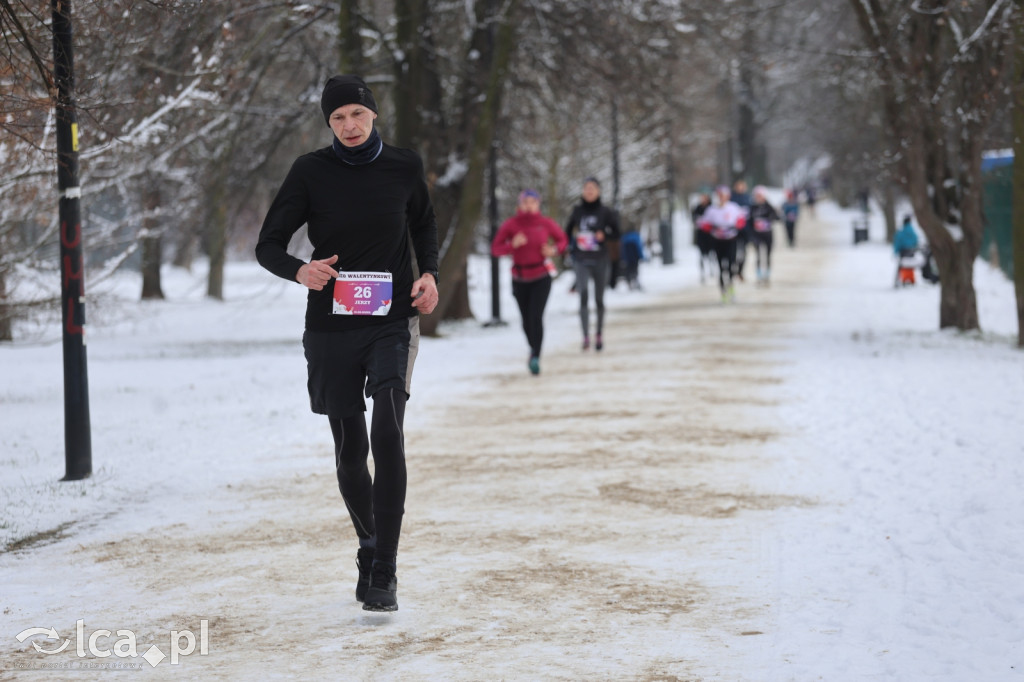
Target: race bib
(762,225)
(587,241)
(362,293)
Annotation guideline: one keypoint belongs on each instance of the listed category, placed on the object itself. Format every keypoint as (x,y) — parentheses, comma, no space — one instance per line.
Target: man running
(590,228)
(361,200)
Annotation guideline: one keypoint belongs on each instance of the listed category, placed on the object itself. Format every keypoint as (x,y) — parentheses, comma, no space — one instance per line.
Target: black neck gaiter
(363,154)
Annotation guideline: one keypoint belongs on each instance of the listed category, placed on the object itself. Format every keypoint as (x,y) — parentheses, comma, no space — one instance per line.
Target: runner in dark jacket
(762,216)
(790,213)
(741,197)
(590,227)
(702,235)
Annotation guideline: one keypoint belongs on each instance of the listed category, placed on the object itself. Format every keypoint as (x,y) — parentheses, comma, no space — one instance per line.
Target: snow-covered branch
(984,26)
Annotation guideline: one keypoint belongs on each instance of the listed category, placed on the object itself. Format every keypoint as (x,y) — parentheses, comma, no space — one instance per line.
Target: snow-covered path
(718,495)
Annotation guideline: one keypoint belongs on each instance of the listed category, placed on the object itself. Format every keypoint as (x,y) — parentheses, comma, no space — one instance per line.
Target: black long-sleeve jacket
(364,215)
(761,217)
(586,219)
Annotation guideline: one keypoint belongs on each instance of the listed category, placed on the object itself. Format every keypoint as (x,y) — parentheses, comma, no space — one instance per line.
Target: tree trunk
(350,46)
(551,198)
(216,237)
(6,326)
(748,129)
(185,252)
(152,249)
(412,79)
(419,124)
(889,211)
(470,205)
(973,226)
(957,300)
(1018,173)
(459,308)
(955,257)
(616,200)
(152,252)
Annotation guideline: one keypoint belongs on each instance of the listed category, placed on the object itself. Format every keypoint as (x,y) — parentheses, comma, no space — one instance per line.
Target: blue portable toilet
(997,203)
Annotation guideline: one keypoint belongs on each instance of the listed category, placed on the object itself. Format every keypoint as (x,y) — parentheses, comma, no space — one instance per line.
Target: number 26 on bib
(362,293)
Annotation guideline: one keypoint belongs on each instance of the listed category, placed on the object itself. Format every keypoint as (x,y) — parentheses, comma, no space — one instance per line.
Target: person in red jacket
(532,239)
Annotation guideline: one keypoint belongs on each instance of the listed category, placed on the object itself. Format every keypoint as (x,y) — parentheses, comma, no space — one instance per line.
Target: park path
(601,521)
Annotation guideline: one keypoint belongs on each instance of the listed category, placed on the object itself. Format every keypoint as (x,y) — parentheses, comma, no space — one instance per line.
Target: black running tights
(763,243)
(375,506)
(532,297)
(725,250)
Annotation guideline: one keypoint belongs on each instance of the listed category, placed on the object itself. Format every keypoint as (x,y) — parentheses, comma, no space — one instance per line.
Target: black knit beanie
(346,89)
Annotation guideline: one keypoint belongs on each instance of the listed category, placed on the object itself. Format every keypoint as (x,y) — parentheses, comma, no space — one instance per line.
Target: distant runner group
(725,226)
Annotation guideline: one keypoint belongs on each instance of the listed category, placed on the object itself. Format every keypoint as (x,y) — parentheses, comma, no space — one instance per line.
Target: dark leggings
(703,240)
(375,506)
(763,240)
(739,256)
(725,250)
(587,269)
(532,297)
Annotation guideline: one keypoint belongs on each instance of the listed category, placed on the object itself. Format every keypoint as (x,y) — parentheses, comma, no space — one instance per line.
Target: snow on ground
(914,432)
(815,483)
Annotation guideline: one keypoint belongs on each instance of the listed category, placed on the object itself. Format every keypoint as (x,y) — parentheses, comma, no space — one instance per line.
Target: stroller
(911,260)
(906,263)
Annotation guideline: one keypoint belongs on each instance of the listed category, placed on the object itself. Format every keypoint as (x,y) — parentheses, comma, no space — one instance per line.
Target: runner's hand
(424,294)
(519,239)
(317,273)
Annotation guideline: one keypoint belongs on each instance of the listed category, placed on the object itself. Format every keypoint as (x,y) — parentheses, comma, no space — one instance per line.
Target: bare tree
(942,68)
(169,94)
(192,110)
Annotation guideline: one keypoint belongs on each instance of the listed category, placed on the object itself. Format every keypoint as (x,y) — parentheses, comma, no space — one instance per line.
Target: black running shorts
(344,367)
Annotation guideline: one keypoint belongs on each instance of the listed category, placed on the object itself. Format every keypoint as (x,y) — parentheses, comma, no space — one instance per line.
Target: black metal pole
(492,211)
(667,245)
(615,155)
(77,436)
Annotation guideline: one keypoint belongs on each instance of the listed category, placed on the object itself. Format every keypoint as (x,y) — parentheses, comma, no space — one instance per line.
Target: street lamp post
(492,211)
(77,437)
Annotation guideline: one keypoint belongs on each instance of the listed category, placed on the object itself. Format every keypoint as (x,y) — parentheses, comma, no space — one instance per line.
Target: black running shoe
(364,559)
(383,592)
